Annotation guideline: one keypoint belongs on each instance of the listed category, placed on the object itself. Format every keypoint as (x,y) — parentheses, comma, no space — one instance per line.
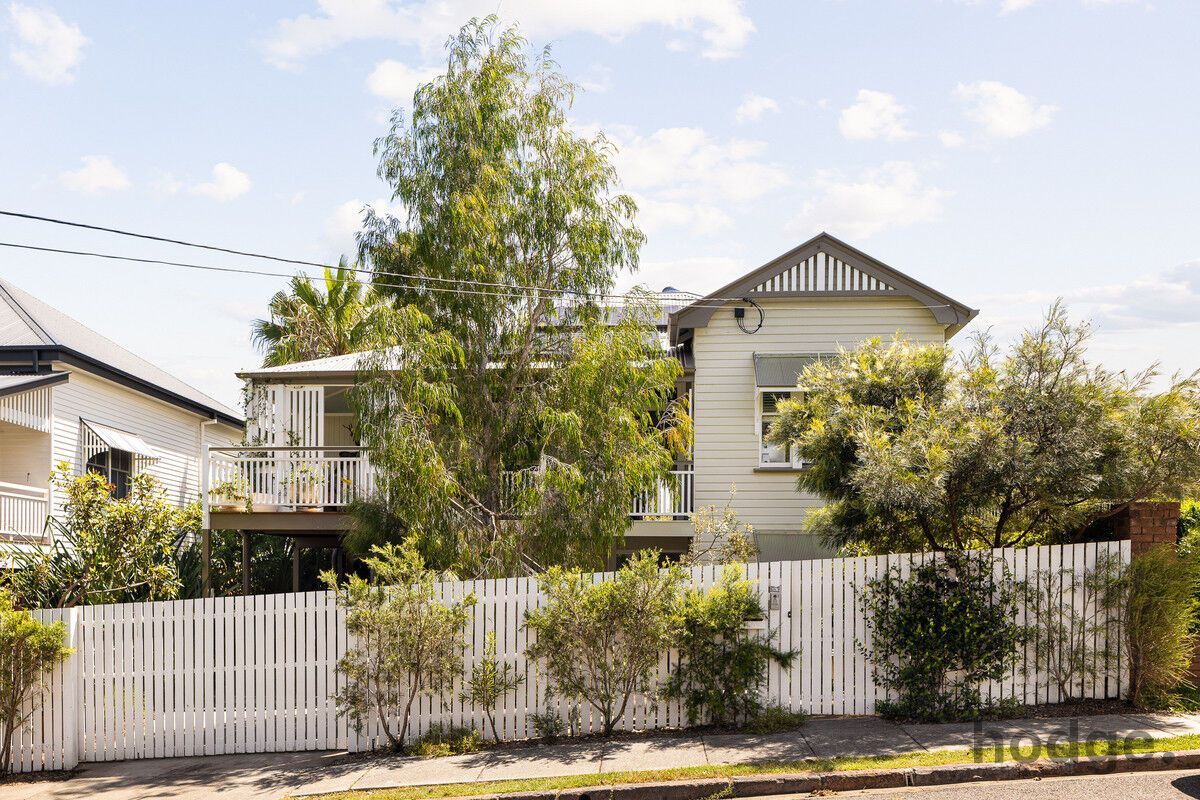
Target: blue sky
(1007,152)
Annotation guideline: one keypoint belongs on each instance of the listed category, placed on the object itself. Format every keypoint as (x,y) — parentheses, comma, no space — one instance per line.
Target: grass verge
(903,761)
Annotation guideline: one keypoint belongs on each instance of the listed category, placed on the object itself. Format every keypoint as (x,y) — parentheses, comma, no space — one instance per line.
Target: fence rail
(256,674)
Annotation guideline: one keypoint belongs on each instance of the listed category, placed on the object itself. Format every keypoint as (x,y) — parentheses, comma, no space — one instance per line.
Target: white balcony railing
(673,497)
(285,478)
(23,510)
(305,478)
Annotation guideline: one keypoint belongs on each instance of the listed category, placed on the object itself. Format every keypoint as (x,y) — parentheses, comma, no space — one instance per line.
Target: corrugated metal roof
(120,440)
(26,321)
(780,369)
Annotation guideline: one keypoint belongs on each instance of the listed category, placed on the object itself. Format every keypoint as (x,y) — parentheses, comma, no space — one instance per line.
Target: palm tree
(308,321)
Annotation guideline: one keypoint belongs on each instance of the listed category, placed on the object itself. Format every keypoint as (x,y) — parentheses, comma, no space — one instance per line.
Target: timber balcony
(261,481)
(23,511)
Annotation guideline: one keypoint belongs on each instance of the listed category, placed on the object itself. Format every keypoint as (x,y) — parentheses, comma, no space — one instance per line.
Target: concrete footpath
(278,775)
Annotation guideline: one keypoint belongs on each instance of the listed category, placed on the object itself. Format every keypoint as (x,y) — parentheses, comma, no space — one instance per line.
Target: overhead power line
(382,278)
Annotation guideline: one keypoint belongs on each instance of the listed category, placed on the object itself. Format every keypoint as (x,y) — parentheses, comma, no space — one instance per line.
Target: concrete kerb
(857,780)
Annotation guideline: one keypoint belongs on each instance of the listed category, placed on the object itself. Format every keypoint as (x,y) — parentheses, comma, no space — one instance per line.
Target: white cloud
(721,25)
(698,274)
(685,177)
(951,138)
(397,82)
(346,220)
(46,48)
(1009,6)
(98,174)
(876,200)
(753,107)
(874,115)
(228,182)
(1002,111)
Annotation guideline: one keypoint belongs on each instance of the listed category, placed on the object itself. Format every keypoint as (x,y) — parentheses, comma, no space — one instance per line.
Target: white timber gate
(257,674)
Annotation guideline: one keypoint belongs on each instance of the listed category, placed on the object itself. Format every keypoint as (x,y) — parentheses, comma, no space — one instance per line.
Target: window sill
(782,468)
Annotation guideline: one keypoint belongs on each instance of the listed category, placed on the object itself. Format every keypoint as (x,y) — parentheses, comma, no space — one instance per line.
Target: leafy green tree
(719,537)
(722,666)
(514,237)
(407,642)
(29,649)
(912,449)
(104,550)
(601,642)
(310,320)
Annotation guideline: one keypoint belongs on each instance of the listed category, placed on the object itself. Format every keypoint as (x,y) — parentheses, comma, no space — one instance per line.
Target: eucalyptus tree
(313,320)
(511,411)
(912,448)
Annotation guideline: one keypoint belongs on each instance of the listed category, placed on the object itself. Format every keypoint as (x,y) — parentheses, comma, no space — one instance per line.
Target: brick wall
(1148,524)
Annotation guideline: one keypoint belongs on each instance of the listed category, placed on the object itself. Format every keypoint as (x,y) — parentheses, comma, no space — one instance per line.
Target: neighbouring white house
(68,394)
(742,348)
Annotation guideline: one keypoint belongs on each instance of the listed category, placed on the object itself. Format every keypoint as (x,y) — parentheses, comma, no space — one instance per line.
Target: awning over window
(780,369)
(114,439)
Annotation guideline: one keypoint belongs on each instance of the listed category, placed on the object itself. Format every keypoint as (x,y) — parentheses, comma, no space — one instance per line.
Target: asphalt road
(1131,786)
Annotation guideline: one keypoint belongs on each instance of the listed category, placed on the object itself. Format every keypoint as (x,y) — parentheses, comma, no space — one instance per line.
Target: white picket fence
(256,674)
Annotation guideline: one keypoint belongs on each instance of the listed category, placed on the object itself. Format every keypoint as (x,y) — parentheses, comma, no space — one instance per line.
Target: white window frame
(793,461)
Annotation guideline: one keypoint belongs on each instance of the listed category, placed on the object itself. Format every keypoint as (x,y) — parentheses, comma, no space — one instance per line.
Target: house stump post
(206,563)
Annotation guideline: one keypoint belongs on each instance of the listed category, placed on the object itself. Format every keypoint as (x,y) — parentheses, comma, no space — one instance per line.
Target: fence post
(72,690)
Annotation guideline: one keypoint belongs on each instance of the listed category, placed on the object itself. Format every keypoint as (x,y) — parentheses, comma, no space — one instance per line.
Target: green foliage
(912,449)
(314,321)
(1074,641)
(937,634)
(1189,527)
(270,564)
(446,740)
(719,537)
(503,193)
(104,550)
(29,650)
(490,681)
(722,666)
(775,719)
(600,642)
(548,726)
(1157,597)
(408,642)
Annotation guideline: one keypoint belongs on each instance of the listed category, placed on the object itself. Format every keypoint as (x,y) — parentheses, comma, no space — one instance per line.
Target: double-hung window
(117,468)
(771,454)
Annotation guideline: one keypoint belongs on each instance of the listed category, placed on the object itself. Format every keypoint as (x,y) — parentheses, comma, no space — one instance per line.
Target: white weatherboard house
(67,394)
(741,347)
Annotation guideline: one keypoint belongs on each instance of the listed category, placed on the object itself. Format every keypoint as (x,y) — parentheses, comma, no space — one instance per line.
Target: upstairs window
(771,454)
(117,468)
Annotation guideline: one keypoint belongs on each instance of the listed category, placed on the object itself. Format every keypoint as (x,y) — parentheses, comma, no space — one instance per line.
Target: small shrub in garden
(600,642)
(408,643)
(1157,595)
(29,650)
(775,719)
(548,726)
(939,633)
(1074,641)
(490,681)
(446,740)
(722,666)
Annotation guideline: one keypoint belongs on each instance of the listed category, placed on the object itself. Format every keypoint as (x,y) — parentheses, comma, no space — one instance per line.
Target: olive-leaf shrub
(722,666)
(491,679)
(407,642)
(1157,598)
(938,633)
(29,650)
(601,642)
